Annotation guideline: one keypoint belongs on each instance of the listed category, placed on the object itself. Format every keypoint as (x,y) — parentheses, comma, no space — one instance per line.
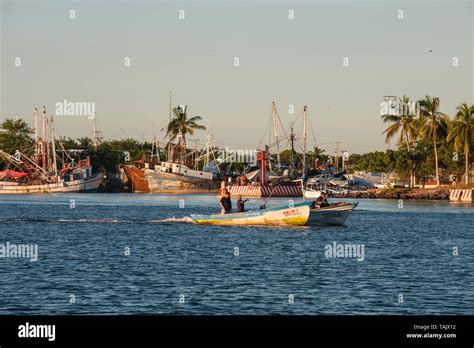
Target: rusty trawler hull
(161,182)
(136,178)
(155,180)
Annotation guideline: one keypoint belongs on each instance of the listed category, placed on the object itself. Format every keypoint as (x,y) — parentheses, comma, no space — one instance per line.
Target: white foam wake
(175,219)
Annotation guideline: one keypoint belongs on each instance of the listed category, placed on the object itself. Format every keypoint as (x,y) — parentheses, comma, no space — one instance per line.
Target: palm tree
(407,125)
(181,125)
(433,124)
(318,154)
(85,143)
(403,123)
(462,132)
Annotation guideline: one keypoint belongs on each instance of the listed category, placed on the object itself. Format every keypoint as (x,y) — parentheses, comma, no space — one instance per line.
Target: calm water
(408,251)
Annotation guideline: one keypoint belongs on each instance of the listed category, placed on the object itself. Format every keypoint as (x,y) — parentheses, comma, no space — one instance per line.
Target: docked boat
(168,177)
(312,191)
(44,172)
(136,178)
(297,215)
(176,174)
(174,178)
(78,179)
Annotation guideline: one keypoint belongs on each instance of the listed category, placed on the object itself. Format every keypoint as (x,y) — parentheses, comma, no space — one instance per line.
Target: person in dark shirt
(323,200)
(241,204)
(226,203)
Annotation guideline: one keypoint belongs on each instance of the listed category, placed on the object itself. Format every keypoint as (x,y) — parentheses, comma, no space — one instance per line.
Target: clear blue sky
(295,61)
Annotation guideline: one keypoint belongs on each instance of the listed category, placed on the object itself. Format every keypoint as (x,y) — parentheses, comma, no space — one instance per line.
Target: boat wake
(186,219)
(106,220)
(173,219)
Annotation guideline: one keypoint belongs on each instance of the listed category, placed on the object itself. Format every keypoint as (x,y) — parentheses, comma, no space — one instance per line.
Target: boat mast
(292,138)
(182,141)
(97,137)
(155,152)
(208,148)
(195,154)
(53,147)
(95,134)
(43,141)
(35,115)
(275,131)
(337,156)
(169,139)
(305,115)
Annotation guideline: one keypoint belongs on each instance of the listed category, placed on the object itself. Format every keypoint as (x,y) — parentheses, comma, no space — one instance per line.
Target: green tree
(70,144)
(462,133)
(181,125)
(317,154)
(433,125)
(85,143)
(406,125)
(377,161)
(16,135)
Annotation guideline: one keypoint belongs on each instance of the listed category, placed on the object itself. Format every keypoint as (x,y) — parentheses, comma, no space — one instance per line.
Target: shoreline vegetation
(403,193)
(432,149)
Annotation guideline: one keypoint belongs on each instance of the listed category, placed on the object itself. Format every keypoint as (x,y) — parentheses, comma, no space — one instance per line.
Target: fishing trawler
(179,173)
(41,173)
(175,177)
(172,176)
(265,182)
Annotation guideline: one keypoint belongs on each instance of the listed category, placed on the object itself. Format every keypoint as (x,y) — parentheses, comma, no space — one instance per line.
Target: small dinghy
(296,215)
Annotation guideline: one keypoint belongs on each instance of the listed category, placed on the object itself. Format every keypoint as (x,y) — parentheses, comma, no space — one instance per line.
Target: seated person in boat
(241,204)
(225,203)
(322,200)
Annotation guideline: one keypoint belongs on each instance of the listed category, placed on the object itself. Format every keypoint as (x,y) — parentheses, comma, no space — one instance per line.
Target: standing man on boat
(241,204)
(225,203)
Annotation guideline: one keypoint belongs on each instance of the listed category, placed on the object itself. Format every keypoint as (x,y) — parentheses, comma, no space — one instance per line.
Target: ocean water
(141,254)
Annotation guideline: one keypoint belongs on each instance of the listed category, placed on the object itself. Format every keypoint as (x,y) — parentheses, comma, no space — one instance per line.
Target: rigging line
(279,120)
(64,150)
(218,141)
(312,131)
(265,133)
(297,117)
(300,147)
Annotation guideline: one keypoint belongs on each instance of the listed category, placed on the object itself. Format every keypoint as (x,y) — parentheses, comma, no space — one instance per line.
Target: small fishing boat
(312,191)
(297,215)
(335,214)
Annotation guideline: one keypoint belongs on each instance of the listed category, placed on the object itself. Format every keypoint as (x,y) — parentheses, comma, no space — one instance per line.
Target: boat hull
(162,182)
(136,177)
(297,215)
(309,194)
(90,184)
(333,215)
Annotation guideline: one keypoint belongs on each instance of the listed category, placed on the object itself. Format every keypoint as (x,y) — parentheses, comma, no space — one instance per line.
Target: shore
(403,193)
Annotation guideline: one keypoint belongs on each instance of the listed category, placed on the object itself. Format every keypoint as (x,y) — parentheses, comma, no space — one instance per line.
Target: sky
(391,47)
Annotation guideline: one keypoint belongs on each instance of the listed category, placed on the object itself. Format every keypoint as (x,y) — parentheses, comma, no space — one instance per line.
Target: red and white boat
(41,173)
